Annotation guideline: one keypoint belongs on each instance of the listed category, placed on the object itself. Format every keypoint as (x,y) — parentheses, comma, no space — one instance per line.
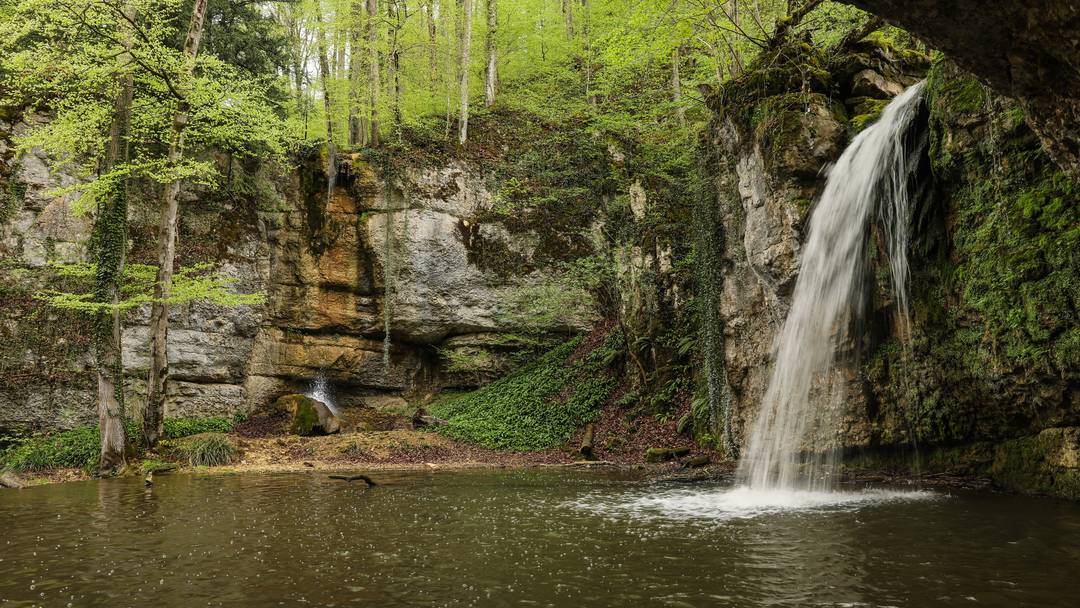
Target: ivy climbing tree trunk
(110,237)
(491,81)
(153,419)
(466,46)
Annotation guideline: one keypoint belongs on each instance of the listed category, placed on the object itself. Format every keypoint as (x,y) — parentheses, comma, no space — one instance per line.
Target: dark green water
(522,538)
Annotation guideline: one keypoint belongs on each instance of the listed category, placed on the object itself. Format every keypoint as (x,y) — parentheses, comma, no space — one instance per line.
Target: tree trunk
(433,46)
(492,75)
(110,232)
(324,74)
(451,62)
(357,121)
(466,45)
(154,416)
(373,65)
(568,17)
(396,13)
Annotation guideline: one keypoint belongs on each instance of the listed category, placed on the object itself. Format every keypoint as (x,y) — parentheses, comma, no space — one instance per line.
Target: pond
(539,537)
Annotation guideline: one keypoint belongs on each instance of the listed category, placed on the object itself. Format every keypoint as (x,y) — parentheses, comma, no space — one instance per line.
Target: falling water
(320,390)
(792,441)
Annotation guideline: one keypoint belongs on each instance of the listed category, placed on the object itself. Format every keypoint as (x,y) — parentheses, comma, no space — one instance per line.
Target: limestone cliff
(401,252)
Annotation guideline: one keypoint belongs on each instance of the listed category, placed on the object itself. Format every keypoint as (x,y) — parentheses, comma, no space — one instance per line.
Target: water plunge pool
(541,537)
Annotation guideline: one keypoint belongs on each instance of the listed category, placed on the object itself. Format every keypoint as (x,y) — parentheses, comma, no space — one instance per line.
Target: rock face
(402,253)
(1026,49)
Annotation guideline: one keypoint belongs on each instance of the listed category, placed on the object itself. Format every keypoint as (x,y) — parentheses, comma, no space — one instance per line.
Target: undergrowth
(209,450)
(538,407)
(77,448)
(80,448)
(184,427)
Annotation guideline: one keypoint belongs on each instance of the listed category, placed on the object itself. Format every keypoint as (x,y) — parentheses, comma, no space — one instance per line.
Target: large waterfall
(793,438)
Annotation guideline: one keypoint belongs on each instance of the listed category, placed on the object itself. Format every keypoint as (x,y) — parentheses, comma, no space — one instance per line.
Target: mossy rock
(307,416)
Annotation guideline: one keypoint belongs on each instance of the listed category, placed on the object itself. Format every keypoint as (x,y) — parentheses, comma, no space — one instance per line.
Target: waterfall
(792,440)
(320,391)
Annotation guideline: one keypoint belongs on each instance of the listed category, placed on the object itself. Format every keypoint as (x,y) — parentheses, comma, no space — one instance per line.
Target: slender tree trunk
(433,46)
(396,22)
(324,74)
(154,417)
(466,46)
(451,61)
(568,17)
(492,66)
(374,83)
(358,131)
(676,87)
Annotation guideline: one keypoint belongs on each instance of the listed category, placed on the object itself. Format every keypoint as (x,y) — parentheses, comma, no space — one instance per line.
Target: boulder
(869,83)
(307,416)
(10,480)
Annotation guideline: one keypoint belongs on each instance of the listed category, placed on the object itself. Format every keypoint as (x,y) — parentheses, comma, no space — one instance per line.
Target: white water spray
(793,438)
(320,390)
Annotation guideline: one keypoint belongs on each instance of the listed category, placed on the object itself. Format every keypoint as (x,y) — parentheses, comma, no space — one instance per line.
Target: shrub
(78,448)
(208,450)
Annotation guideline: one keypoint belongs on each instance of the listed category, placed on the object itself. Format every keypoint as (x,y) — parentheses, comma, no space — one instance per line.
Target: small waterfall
(792,440)
(320,390)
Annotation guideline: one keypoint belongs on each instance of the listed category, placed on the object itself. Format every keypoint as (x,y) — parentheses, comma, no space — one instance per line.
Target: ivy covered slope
(540,406)
(996,286)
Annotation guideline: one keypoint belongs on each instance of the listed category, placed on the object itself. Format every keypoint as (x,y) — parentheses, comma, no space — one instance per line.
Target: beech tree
(466,47)
(154,417)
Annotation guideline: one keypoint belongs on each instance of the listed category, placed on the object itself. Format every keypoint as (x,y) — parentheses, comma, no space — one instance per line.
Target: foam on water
(741,502)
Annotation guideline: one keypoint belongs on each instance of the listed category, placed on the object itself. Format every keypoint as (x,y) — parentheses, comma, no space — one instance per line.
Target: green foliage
(77,448)
(208,450)
(194,283)
(63,58)
(538,407)
(176,428)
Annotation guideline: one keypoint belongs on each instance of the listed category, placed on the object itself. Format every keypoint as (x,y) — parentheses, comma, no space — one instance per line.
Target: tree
(492,66)
(110,231)
(373,66)
(358,128)
(466,46)
(154,416)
